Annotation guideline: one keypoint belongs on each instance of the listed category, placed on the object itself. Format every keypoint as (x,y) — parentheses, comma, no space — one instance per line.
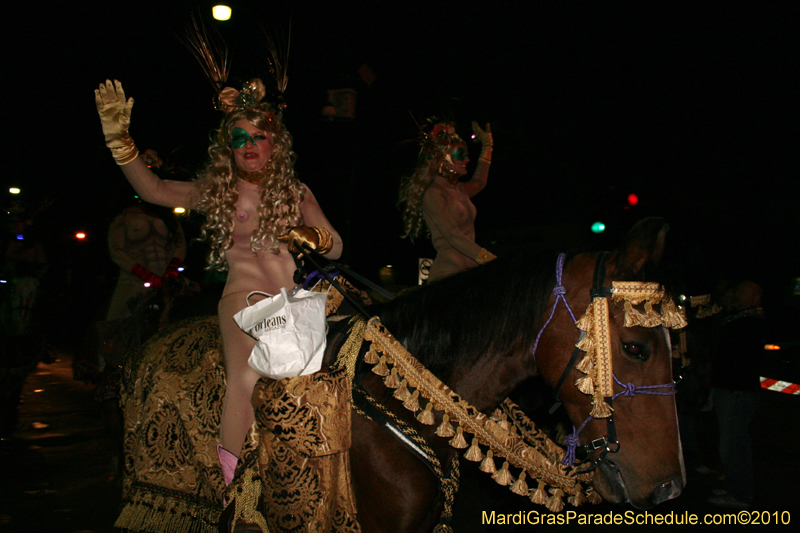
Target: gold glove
(485,138)
(318,239)
(115,117)
(484,256)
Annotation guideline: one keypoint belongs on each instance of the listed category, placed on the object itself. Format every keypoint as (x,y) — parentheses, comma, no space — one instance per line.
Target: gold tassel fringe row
(596,342)
(495,432)
(154,512)
(448,484)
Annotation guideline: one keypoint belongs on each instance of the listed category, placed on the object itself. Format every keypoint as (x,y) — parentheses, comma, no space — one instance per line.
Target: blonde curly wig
(281,192)
(413,187)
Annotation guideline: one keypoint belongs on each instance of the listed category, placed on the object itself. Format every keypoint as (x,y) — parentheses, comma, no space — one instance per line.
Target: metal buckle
(596,444)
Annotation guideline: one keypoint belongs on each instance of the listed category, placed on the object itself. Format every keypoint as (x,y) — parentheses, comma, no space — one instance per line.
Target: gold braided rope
(246,497)
(494,432)
(599,379)
(348,353)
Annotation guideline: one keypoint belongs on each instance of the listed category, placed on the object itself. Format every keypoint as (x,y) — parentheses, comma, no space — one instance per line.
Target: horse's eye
(637,351)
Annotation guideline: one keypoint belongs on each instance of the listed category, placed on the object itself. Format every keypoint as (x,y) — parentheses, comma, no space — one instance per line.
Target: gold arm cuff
(325,240)
(484,256)
(123,150)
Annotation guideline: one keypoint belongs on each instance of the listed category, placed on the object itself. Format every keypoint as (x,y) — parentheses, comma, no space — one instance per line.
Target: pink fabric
(228,462)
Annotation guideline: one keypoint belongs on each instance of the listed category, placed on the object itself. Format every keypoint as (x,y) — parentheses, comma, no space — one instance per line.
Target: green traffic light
(598,227)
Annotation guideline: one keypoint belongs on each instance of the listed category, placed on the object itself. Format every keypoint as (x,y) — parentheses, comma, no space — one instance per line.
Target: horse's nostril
(666,491)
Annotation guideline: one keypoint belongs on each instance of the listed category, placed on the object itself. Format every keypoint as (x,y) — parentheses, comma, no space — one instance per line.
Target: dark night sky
(687,104)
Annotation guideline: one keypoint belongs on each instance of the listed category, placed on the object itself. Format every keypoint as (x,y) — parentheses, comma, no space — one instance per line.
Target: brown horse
(476,331)
(482,333)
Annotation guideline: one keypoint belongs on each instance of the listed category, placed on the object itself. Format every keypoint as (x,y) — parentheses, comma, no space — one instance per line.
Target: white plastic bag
(289,332)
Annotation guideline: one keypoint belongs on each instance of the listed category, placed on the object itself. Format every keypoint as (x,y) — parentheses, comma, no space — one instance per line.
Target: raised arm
(115,117)
(481,175)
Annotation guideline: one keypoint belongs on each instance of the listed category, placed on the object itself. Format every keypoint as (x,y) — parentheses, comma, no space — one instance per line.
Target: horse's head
(619,391)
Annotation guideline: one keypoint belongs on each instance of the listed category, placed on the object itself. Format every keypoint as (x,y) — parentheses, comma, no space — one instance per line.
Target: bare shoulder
(307,196)
(437,194)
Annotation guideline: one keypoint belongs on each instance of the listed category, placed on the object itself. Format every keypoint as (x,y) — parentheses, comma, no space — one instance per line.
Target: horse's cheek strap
(572,360)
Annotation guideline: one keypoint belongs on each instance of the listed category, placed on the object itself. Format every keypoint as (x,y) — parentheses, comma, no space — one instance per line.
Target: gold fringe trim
(402,392)
(539,496)
(555,503)
(381,369)
(459,442)
(596,338)
(707,311)
(585,365)
(412,403)
(577,499)
(151,511)
(584,323)
(426,416)
(604,385)
(600,409)
(585,384)
(474,453)
(371,356)
(636,292)
(445,429)
(519,486)
(538,459)
(503,476)
(392,381)
(487,465)
(673,318)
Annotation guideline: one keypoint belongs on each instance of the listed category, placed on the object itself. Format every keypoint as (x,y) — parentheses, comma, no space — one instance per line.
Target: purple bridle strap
(628,389)
(559,291)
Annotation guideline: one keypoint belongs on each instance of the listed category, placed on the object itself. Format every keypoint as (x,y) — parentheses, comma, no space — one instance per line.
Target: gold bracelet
(123,150)
(325,240)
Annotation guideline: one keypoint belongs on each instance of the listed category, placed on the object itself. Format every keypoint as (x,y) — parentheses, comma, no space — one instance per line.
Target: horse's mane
(494,308)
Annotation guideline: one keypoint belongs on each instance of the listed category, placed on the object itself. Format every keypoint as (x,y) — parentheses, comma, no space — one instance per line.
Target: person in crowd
(736,390)
(435,197)
(256,212)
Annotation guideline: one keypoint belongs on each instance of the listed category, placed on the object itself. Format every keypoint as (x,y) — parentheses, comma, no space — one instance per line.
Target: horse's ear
(643,244)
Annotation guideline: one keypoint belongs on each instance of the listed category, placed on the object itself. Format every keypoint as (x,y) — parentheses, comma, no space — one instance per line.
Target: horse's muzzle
(667,490)
(613,488)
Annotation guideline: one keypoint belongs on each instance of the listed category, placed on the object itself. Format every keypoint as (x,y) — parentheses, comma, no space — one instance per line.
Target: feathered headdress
(435,134)
(211,52)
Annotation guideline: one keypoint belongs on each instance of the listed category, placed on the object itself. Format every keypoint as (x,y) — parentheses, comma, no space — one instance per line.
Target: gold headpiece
(435,135)
(596,341)
(212,54)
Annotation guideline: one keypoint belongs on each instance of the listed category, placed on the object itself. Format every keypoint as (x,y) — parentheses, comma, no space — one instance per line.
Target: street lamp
(221,12)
